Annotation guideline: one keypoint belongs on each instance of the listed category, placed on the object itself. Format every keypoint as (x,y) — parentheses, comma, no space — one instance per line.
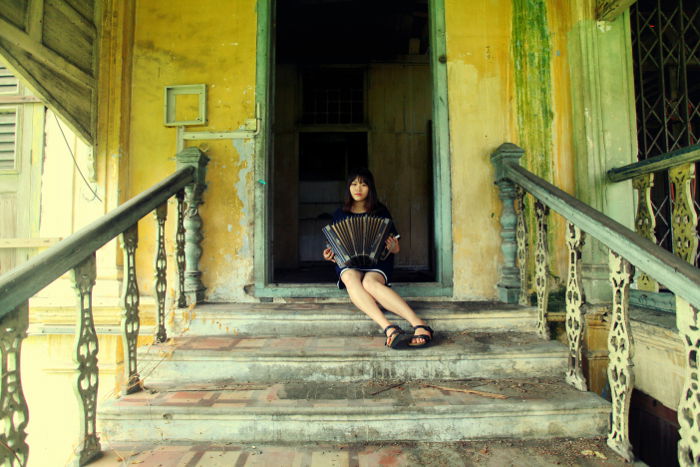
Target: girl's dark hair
(372,202)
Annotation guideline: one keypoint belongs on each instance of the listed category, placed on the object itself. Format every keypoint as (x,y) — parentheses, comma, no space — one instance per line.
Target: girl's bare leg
(363,300)
(373,283)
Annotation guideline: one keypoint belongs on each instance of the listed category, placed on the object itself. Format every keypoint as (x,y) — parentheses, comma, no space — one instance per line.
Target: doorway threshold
(330,290)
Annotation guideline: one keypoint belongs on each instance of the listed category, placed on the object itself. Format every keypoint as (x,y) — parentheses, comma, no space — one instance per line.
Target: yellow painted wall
(562,127)
(482,116)
(481,107)
(211,42)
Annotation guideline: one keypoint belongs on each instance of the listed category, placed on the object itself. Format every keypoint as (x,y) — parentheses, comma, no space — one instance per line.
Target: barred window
(333,96)
(666,52)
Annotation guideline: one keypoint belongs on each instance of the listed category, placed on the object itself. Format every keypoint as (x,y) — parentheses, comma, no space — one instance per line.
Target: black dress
(384,267)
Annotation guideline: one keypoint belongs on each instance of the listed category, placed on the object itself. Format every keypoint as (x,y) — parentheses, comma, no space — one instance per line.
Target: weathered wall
(223,56)
(483,113)
(559,23)
(481,118)
(211,42)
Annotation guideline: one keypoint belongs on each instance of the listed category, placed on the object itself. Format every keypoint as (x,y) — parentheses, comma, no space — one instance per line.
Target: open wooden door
(353,88)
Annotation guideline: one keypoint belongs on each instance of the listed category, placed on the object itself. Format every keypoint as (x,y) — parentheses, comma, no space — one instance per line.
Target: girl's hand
(328,255)
(392,244)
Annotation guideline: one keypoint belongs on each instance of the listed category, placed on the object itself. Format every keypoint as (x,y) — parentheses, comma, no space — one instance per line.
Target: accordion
(358,241)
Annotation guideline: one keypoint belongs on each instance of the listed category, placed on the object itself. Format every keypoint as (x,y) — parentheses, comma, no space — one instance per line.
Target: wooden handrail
(21,283)
(655,164)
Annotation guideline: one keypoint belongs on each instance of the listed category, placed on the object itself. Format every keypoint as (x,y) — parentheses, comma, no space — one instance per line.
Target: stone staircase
(312,372)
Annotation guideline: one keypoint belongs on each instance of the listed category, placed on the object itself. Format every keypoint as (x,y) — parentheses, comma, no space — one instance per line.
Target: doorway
(352,88)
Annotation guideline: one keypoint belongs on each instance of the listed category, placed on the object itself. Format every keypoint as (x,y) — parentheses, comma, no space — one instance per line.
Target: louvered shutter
(8,121)
(8,83)
(8,137)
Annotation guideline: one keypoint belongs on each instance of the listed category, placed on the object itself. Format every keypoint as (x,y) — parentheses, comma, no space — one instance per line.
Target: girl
(367,286)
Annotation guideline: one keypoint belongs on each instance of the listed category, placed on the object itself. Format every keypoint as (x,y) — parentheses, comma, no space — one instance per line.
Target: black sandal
(427,338)
(398,342)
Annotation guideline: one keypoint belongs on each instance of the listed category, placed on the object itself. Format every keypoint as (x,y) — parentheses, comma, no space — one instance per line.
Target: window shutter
(8,83)
(8,137)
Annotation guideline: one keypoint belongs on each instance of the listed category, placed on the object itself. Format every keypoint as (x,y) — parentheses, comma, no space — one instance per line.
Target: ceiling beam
(45,55)
(608,10)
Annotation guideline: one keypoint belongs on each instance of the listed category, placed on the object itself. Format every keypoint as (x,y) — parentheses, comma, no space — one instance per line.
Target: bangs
(361,179)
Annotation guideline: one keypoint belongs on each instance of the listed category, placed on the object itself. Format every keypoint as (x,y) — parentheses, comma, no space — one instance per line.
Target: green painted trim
(419,289)
(442,170)
(659,301)
(262,255)
(655,164)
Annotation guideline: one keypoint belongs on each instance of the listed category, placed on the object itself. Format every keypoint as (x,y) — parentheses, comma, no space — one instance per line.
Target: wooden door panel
(399,111)
(8,229)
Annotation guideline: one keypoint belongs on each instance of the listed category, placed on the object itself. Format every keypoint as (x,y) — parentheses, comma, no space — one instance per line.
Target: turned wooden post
(193,157)
(509,286)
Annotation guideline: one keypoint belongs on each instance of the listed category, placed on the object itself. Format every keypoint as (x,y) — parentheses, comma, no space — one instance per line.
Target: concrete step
(586,452)
(354,358)
(342,319)
(356,412)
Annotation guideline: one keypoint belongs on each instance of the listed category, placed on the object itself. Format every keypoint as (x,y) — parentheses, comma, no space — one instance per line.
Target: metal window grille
(666,45)
(334,96)
(8,137)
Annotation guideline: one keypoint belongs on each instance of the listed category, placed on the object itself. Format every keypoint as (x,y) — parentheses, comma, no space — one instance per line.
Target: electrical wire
(70,150)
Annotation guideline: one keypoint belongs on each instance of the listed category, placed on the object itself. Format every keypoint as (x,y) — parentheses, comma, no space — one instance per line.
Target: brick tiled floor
(501,453)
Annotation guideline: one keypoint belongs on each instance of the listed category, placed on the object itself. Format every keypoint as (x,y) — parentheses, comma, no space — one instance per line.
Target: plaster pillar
(604,128)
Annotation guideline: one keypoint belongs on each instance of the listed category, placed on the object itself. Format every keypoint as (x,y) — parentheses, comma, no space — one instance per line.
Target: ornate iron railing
(627,250)
(680,165)
(77,253)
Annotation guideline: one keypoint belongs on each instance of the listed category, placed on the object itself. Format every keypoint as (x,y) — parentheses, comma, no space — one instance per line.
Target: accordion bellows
(358,241)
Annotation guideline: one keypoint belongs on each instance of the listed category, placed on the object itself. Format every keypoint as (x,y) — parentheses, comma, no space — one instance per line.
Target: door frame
(442,184)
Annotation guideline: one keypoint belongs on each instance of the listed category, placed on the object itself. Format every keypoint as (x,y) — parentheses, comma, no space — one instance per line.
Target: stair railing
(78,253)
(627,250)
(681,171)
(684,235)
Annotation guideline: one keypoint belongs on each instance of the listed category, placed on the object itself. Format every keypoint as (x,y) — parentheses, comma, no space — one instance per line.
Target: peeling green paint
(533,91)
(533,85)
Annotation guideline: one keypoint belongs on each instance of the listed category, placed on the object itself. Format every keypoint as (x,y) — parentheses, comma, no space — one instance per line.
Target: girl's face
(359,190)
